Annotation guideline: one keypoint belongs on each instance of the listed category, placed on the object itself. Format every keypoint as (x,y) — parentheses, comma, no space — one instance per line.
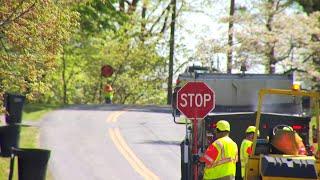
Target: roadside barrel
(32,163)
(13,104)
(9,137)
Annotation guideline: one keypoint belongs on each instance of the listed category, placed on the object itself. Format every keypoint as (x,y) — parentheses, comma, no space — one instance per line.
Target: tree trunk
(271,69)
(100,89)
(143,23)
(133,6)
(171,54)
(271,55)
(64,82)
(230,38)
(121,5)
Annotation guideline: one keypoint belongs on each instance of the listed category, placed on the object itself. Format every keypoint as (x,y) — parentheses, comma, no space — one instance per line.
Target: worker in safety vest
(108,94)
(302,149)
(246,148)
(221,156)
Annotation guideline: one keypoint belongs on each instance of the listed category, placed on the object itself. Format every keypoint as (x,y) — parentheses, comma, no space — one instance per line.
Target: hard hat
(287,128)
(108,88)
(252,129)
(223,125)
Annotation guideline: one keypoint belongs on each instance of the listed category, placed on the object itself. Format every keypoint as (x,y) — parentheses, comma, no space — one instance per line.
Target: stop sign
(195,100)
(106,71)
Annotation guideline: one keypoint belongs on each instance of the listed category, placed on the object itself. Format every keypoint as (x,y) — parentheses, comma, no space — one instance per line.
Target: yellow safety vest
(225,164)
(108,95)
(244,155)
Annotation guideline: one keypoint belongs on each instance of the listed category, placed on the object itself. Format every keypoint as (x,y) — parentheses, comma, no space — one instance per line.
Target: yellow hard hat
(252,129)
(223,125)
(287,128)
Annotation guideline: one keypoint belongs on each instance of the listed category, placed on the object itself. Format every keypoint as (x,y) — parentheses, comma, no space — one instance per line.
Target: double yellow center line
(114,116)
(125,150)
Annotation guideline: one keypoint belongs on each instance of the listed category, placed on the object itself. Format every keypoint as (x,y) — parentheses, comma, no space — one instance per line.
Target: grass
(34,112)
(29,136)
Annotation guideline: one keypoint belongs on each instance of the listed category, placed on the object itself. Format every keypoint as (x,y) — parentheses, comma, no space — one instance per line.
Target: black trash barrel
(9,137)
(32,163)
(13,104)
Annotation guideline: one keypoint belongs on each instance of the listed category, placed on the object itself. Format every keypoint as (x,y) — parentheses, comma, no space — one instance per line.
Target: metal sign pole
(195,147)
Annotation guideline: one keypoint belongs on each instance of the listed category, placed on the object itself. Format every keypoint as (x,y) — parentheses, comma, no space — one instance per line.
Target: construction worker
(246,148)
(301,147)
(221,156)
(108,94)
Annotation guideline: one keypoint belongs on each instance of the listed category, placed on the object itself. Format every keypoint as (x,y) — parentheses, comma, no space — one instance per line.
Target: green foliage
(98,15)
(54,50)
(108,36)
(138,74)
(310,5)
(139,71)
(31,35)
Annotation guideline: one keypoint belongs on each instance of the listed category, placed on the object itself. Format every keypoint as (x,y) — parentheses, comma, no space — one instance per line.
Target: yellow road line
(114,116)
(133,160)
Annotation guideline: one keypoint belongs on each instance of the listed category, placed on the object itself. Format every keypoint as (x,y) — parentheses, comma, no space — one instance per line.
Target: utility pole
(230,37)
(171,53)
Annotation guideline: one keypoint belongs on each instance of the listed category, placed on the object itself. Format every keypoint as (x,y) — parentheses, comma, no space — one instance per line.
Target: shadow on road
(160,142)
(117,107)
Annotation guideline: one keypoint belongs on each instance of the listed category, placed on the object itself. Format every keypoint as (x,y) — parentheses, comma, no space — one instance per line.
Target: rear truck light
(213,125)
(265,126)
(297,127)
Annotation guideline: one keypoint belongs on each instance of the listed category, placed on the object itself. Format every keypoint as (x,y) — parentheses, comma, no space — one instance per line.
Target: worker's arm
(210,155)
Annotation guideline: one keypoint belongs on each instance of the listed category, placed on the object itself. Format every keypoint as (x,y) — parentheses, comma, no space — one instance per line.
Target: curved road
(112,142)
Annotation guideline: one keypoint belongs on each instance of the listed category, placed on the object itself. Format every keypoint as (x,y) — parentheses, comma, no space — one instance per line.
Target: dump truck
(236,101)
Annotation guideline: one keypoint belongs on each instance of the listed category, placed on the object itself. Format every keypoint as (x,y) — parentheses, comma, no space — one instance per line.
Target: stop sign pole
(195,100)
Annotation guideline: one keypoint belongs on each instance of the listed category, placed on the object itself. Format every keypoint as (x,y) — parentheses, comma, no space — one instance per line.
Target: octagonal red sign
(195,100)
(106,71)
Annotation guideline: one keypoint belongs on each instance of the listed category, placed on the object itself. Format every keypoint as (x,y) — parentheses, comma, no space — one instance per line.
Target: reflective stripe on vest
(225,164)
(244,155)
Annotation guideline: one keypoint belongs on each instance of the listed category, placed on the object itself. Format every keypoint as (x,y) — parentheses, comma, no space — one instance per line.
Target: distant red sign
(195,100)
(106,71)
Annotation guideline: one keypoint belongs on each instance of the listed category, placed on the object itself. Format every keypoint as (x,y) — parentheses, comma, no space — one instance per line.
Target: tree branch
(287,54)
(294,69)
(164,27)
(158,19)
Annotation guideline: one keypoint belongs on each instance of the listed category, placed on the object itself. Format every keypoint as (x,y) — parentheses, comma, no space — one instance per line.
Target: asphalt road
(112,142)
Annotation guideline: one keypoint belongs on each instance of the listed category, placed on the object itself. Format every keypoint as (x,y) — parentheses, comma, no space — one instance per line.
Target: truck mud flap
(303,168)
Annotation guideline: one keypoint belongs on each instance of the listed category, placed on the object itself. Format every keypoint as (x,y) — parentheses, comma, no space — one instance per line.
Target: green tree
(31,37)
(309,6)
(128,38)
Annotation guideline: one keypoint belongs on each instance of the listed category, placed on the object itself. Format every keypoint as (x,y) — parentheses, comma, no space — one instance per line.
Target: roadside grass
(29,136)
(34,112)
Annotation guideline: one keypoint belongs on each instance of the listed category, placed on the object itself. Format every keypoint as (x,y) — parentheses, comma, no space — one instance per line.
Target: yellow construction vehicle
(268,165)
